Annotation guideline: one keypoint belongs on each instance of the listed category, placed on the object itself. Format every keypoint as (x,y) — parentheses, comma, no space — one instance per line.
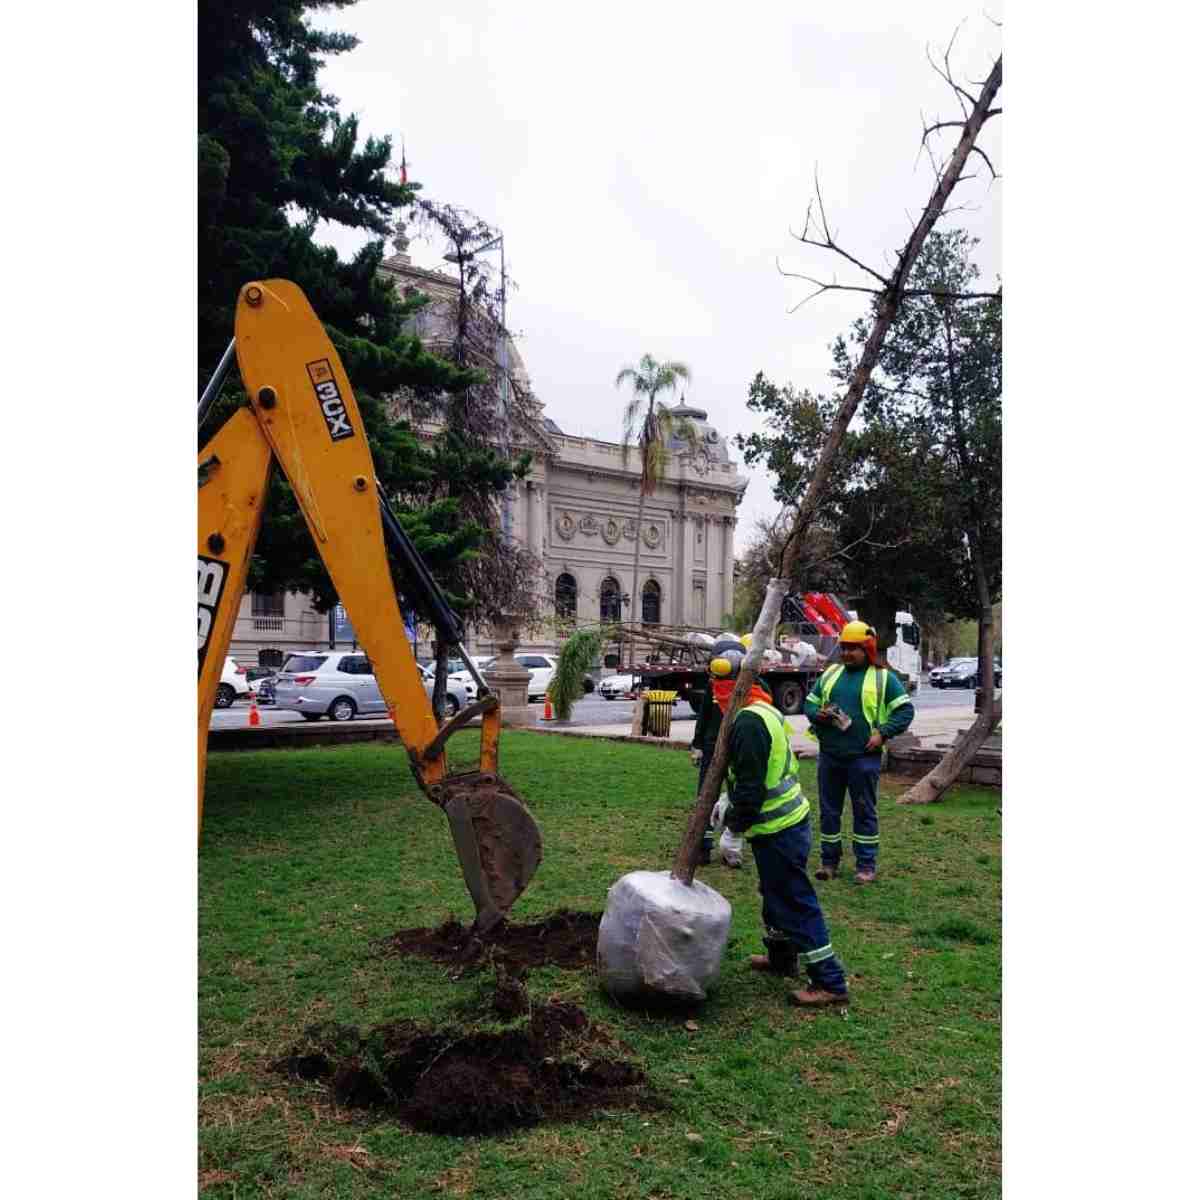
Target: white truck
(905,655)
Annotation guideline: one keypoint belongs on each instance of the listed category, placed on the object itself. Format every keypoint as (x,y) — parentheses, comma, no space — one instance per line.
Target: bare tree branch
(828,243)
(961,94)
(982,154)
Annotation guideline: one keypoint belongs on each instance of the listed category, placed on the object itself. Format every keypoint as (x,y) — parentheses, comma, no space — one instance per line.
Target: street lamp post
(626,602)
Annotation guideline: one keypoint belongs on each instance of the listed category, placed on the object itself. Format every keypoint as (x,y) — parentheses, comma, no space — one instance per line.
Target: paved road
(591,710)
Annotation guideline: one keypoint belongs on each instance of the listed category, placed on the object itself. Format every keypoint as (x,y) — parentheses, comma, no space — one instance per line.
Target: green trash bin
(659,705)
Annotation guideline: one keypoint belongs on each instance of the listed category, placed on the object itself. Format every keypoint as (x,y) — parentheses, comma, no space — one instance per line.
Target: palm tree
(650,424)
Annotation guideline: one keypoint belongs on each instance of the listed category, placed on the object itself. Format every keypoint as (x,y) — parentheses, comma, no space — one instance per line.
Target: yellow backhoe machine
(303,415)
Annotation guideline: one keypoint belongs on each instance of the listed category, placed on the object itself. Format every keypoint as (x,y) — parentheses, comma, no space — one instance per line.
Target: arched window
(565,592)
(270,658)
(651,602)
(610,600)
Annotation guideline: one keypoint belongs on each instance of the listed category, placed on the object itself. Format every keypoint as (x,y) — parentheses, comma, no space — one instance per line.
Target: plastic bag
(661,939)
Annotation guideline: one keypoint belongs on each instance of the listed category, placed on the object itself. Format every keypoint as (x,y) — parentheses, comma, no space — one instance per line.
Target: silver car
(341,685)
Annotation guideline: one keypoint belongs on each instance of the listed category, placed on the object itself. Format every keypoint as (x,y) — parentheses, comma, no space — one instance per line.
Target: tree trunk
(637,560)
(932,786)
(686,858)
(440,670)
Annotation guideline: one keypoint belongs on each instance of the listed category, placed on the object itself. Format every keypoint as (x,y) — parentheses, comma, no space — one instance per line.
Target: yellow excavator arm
(303,415)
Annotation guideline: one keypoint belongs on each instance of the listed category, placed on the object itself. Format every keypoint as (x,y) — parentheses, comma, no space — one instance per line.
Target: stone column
(507,678)
(727,569)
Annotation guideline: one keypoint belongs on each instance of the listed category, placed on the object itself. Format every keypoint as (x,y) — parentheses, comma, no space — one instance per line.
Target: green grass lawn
(308,856)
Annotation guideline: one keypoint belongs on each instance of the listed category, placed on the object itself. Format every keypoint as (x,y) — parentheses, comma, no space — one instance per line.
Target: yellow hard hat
(726,657)
(722,666)
(856,633)
(746,639)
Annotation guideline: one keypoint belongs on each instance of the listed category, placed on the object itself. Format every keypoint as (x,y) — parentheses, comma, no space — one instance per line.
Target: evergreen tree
(276,158)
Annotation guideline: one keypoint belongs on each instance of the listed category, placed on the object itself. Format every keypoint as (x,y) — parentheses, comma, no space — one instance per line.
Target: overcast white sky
(645,171)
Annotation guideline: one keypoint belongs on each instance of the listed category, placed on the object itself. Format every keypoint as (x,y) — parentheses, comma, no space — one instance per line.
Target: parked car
(457,671)
(616,687)
(341,685)
(541,667)
(233,685)
(459,692)
(963,672)
(258,677)
(939,675)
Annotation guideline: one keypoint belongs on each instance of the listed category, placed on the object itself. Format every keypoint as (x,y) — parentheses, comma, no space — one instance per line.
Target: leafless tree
(888,297)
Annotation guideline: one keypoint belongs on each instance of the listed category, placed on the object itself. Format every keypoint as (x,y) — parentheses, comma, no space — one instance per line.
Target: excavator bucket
(498,843)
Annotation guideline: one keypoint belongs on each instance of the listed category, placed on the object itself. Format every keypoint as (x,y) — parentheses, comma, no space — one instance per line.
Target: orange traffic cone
(254,717)
(548,710)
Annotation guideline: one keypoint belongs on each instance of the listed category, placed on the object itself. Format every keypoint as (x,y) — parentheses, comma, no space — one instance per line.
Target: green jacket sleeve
(749,754)
(902,715)
(812,703)
(703,720)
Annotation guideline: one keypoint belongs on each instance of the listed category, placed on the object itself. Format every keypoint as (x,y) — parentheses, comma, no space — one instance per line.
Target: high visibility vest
(785,803)
(875,707)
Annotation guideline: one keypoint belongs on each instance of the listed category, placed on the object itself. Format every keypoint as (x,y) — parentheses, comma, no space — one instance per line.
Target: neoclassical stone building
(576,511)
(579,516)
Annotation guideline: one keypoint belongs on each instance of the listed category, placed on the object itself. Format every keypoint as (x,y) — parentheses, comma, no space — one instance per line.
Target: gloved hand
(719,811)
(697,756)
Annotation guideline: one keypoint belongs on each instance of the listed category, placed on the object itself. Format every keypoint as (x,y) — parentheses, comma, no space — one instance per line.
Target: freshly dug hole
(563,939)
(558,1064)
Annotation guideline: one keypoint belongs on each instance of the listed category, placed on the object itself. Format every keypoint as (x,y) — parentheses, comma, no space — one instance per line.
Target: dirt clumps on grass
(555,1063)
(563,939)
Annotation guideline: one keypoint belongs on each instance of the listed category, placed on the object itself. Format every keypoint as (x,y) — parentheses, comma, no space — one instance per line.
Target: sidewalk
(931,727)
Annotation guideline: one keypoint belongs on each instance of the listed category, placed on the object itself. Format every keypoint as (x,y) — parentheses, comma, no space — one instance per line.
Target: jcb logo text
(333,408)
(210,574)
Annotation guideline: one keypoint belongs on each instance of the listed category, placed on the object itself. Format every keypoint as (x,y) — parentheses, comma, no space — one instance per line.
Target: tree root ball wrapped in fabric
(660,939)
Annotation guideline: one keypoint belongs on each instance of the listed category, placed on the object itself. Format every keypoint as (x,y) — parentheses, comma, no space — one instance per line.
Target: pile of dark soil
(554,1064)
(564,939)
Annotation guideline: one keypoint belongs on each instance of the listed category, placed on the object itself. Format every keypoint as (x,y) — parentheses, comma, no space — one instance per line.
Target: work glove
(697,756)
(719,811)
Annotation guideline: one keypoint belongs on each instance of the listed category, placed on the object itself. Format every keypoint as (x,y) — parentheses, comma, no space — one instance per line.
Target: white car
(616,687)
(233,685)
(456,681)
(341,685)
(541,668)
(458,674)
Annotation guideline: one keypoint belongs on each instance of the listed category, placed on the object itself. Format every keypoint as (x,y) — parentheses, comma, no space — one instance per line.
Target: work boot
(864,875)
(827,871)
(762,962)
(818,997)
(781,958)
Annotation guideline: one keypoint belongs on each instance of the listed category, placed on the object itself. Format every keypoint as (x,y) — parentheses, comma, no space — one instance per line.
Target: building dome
(709,441)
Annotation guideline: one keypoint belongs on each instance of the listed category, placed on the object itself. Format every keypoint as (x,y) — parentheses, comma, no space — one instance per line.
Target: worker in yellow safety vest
(766,804)
(853,709)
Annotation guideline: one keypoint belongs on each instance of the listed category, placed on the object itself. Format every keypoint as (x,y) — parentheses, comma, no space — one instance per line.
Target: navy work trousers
(861,776)
(790,905)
